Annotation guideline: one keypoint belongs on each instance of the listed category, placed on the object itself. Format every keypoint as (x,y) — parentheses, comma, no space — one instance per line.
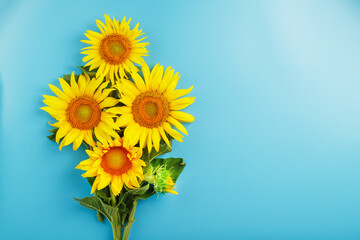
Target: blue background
(274,152)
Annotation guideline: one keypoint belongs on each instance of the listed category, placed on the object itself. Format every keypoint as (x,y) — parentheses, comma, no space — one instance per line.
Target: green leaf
(140,191)
(147,194)
(164,148)
(86,70)
(96,204)
(103,193)
(67,78)
(174,165)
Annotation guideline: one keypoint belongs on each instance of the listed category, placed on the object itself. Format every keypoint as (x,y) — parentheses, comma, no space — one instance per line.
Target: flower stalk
(130,221)
(117,227)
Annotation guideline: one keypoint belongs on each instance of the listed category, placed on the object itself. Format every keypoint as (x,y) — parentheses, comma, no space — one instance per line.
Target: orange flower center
(150,109)
(115,48)
(116,161)
(84,113)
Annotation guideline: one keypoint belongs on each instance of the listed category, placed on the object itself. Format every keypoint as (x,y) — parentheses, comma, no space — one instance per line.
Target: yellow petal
(130,87)
(173,82)
(105,94)
(109,102)
(125,180)
(85,164)
(132,179)
(177,93)
(156,138)
(89,138)
(177,124)
(116,185)
(156,77)
(175,134)
(143,137)
(166,79)
(124,120)
(55,113)
(108,119)
(93,85)
(59,93)
(119,110)
(136,136)
(107,129)
(70,137)
(100,135)
(138,81)
(100,89)
(171,191)
(146,74)
(181,103)
(63,130)
(95,184)
(74,85)
(79,139)
(182,116)
(149,138)
(82,84)
(104,181)
(66,88)
(55,102)
(163,135)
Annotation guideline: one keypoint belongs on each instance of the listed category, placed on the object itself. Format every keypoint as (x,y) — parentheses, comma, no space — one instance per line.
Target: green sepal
(53,135)
(174,165)
(91,180)
(96,204)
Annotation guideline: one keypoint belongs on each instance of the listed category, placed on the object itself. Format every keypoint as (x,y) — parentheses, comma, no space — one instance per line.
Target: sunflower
(115,49)
(78,108)
(151,106)
(115,162)
(162,181)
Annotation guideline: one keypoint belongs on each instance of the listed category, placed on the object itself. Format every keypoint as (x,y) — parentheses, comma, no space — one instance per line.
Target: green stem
(116,224)
(130,221)
(117,227)
(113,200)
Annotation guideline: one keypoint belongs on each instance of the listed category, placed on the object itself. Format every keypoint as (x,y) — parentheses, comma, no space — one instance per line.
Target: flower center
(150,109)
(116,161)
(115,48)
(84,113)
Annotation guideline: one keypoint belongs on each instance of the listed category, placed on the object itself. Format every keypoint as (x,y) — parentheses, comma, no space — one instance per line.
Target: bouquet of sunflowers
(124,117)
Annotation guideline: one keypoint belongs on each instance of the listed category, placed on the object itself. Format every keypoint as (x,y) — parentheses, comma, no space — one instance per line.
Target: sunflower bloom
(151,106)
(115,49)
(162,181)
(115,163)
(78,108)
